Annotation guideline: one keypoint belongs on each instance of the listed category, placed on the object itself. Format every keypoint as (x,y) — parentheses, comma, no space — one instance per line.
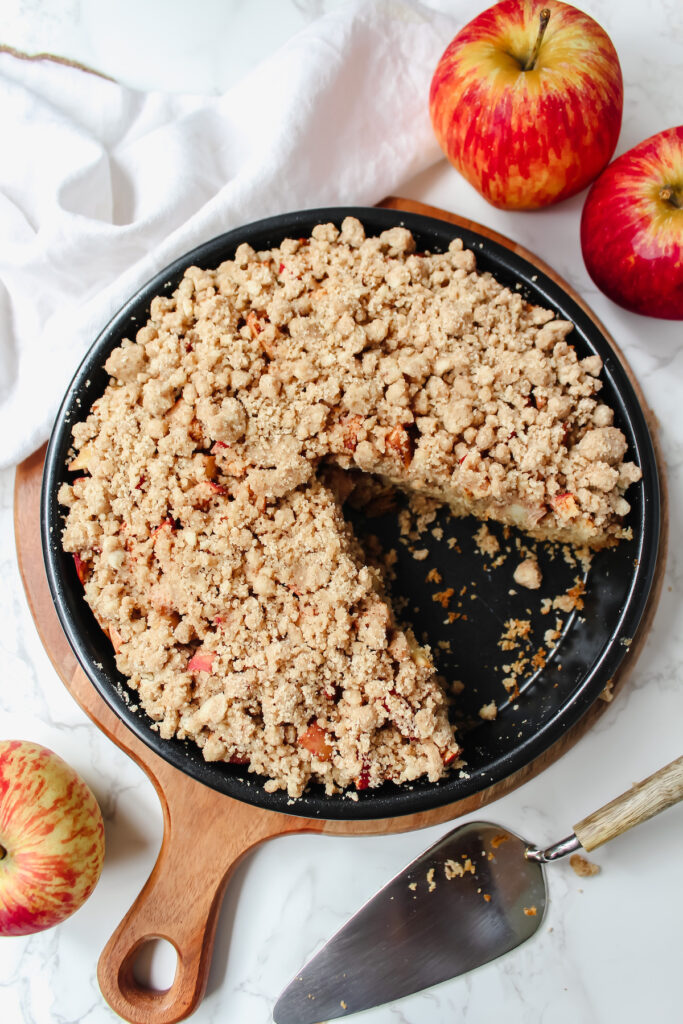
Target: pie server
(476,894)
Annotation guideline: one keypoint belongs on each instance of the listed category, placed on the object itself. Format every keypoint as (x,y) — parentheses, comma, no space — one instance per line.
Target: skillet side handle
(642,801)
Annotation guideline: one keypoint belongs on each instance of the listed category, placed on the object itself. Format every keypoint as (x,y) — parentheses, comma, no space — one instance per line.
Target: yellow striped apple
(526,102)
(632,227)
(51,839)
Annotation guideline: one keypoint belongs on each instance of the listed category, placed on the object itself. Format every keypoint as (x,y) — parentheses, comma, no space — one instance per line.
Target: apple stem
(544,19)
(670,194)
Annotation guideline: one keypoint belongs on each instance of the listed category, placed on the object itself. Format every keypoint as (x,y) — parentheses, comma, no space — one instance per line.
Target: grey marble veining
(609,949)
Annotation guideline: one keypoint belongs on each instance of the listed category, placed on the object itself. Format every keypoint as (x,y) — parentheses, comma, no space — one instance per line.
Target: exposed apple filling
(235,595)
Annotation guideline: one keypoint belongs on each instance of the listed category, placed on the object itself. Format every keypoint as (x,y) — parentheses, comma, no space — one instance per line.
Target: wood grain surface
(230,828)
(641,802)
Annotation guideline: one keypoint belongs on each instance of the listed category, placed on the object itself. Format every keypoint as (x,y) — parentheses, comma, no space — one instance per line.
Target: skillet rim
(93,650)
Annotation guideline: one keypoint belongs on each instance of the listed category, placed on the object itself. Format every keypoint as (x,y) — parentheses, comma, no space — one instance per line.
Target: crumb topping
(209,538)
(528,574)
(583,867)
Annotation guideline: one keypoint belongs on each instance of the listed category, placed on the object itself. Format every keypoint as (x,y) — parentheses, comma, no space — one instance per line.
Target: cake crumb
(430,880)
(486,542)
(539,660)
(528,574)
(454,869)
(488,711)
(583,867)
(572,600)
(607,694)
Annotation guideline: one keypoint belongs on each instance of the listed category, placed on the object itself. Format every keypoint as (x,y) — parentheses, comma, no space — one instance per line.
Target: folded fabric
(101,186)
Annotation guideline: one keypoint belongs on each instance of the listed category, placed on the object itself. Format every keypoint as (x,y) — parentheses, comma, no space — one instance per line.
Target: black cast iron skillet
(552,698)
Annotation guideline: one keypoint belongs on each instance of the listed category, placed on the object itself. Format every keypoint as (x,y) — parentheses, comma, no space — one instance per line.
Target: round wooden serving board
(182,897)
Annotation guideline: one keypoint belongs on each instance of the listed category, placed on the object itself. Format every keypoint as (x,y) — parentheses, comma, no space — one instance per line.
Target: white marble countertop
(610,947)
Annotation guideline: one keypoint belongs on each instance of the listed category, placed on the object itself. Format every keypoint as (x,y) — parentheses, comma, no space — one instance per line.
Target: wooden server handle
(642,801)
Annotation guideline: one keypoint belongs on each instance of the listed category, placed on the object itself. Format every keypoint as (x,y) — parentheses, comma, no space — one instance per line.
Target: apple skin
(525,139)
(52,833)
(632,238)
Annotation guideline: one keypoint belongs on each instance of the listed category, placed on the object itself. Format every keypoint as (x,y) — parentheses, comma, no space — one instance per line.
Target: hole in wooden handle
(155,965)
(133,989)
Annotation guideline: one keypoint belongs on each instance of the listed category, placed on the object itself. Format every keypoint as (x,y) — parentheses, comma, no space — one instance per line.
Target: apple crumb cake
(212,548)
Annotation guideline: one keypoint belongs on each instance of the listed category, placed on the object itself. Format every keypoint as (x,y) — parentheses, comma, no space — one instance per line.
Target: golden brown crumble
(528,574)
(486,542)
(607,695)
(583,867)
(211,544)
(454,869)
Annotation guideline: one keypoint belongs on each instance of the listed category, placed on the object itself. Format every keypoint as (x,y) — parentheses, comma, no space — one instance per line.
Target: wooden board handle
(191,934)
(642,801)
(203,843)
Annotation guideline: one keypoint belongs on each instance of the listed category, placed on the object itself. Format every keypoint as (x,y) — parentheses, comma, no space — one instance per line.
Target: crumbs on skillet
(210,541)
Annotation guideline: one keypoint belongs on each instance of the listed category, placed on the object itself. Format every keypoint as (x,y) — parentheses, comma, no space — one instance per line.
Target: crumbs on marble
(583,867)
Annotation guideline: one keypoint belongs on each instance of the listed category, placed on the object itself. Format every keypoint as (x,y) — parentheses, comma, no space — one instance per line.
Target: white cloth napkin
(101,186)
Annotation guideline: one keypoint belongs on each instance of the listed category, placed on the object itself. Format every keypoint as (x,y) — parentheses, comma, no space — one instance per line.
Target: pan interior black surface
(554,689)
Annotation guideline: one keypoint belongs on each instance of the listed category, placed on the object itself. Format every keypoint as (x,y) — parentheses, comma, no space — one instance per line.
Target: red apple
(315,740)
(632,227)
(202,661)
(526,102)
(51,839)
